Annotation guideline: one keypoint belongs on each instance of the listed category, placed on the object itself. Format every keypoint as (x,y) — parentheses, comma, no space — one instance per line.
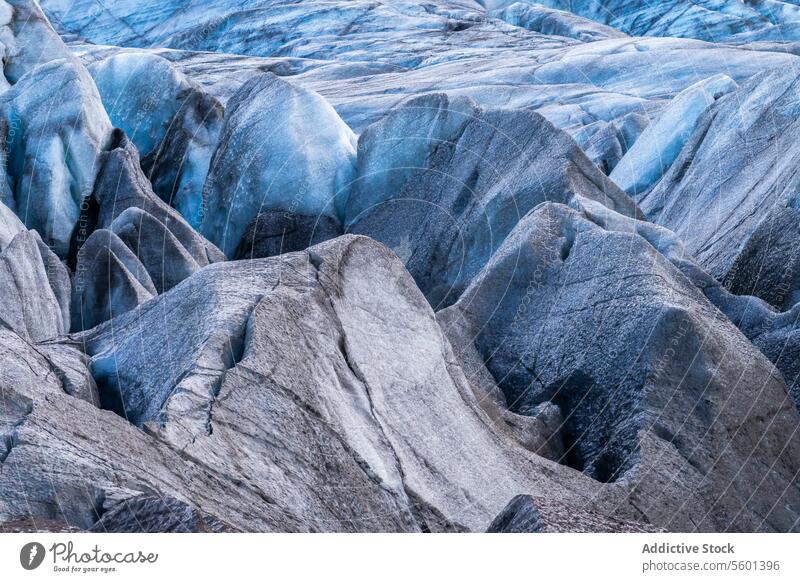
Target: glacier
(654,151)
(174,124)
(301,158)
(399,266)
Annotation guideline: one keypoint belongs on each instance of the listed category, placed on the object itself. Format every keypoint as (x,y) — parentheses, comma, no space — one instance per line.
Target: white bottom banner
(389,557)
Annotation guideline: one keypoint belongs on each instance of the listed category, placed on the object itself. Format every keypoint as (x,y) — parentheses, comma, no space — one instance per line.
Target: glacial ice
(56,129)
(280,27)
(390,150)
(282,147)
(141,93)
(109,281)
(661,142)
(367,67)
(26,40)
(262,389)
(164,257)
(538,18)
(31,304)
(454,203)
(173,124)
(713,20)
(10,226)
(52,123)
(737,168)
(275,232)
(122,185)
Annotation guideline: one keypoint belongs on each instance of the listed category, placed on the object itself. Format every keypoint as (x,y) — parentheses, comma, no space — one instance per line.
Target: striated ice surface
(10,226)
(56,131)
(387,265)
(714,20)
(391,150)
(142,93)
(661,142)
(282,147)
(538,18)
(174,125)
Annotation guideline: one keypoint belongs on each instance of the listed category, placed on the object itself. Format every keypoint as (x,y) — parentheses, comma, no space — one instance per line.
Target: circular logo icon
(31,555)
